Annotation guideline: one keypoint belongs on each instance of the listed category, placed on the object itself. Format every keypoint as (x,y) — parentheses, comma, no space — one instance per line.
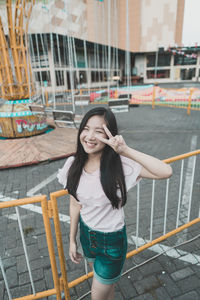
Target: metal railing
(168,227)
(46,214)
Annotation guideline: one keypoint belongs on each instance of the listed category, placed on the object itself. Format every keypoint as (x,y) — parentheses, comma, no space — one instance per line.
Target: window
(72,80)
(160,74)
(80,59)
(97,61)
(43,78)
(116,73)
(187,74)
(82,77)
(59,50)
(98,76)
(41,61)
(163,60)
(94,76)
(184,60)
(59,78)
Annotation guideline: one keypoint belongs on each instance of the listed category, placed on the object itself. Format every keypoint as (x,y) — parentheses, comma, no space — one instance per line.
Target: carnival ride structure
(16,81)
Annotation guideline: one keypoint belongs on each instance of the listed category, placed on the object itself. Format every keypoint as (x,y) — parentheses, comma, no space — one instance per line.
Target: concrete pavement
(164,132)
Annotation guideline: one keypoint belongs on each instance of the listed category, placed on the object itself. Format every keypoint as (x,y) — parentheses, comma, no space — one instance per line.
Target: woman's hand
(74,255)
(116,142)
(152,167)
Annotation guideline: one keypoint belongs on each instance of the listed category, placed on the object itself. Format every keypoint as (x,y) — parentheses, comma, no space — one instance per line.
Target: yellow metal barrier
(162,238)
(46,213)
(59,240)
(190,101)
(153,97)
(50,210)
(182,156)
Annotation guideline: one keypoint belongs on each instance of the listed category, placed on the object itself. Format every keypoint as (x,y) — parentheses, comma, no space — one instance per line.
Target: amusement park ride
(16,82)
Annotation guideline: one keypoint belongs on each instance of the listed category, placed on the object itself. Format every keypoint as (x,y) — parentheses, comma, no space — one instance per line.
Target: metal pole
(156,64)
(5,279)
(166,206)
(138,214)
(152,210)
(25,249)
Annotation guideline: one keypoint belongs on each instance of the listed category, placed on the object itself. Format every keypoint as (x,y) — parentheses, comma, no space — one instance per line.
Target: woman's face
(93,129)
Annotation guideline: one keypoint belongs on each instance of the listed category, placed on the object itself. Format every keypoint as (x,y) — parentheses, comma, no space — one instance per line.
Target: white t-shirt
(96,209)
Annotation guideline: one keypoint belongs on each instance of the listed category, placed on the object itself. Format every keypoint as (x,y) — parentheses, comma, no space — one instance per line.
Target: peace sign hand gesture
(116,142)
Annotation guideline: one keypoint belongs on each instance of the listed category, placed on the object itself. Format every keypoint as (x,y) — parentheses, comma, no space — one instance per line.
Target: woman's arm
(151,167)
(74,210)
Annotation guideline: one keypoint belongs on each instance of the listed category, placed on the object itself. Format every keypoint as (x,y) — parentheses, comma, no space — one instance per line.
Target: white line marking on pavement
(187,184)
(186,189)
(14,217)
(159,248)
(16,192)
(34,208)
(42,184)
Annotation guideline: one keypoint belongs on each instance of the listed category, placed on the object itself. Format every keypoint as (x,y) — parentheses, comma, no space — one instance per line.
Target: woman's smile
(90,144)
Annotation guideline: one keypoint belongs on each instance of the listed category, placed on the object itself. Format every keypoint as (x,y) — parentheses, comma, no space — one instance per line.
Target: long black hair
(112,175)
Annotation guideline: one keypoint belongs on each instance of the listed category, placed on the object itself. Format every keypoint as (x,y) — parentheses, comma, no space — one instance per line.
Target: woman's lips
(90,144)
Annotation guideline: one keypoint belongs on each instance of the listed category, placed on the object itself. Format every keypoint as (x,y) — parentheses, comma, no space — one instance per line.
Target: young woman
(98,177)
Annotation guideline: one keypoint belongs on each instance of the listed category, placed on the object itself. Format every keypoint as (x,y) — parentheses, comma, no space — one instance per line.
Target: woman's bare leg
(91,265)
(111,296)
(102,291)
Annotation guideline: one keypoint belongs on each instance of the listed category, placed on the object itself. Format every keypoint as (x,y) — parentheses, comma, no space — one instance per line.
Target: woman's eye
(99,132)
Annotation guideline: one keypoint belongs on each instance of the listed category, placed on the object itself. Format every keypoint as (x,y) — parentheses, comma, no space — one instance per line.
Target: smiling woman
(98,177)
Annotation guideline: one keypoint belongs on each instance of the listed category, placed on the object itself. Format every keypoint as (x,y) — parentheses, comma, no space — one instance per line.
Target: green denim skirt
(106,250)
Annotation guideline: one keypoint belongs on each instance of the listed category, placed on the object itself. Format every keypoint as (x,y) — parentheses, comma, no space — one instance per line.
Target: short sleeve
(132,171)
(63,172)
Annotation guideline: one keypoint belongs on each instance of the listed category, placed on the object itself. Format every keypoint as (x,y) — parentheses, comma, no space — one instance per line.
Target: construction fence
(186,98)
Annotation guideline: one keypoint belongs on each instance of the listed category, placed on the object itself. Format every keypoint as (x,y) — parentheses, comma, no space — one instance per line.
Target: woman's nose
(91,134)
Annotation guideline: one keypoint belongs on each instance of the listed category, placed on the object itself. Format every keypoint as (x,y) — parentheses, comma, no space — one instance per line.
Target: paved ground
(164,132)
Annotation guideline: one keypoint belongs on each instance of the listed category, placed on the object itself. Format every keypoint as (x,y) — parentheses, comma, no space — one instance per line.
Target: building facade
(94,43)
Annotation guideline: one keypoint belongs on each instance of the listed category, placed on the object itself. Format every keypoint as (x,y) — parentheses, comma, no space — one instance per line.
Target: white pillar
(172,68)
(52,70)
(197,66)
